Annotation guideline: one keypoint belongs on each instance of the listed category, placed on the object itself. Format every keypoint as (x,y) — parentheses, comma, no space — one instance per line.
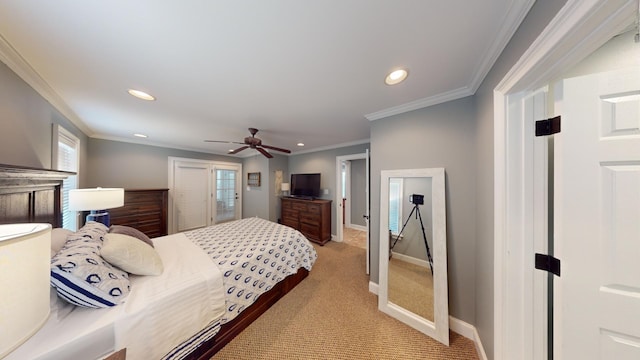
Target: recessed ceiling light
(141,95)
(396,77)
(140,135)
(300,144)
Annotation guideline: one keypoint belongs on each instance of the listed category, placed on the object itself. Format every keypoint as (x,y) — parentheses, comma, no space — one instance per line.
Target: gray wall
(255,199)
(537,18)
(26,123)
(324,162)
(278,162)
(262,201)
(438,136)
(135,166)
(358,191)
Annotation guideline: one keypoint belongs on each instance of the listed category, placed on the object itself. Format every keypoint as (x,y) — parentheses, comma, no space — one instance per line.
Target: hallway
(354,237)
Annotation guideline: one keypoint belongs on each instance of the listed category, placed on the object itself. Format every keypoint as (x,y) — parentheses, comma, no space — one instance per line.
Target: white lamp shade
(95,199)
(285,187)
(25,257)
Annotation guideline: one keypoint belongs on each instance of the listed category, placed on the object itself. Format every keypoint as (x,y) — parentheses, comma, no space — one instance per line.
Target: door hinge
(548,263)
(548,127)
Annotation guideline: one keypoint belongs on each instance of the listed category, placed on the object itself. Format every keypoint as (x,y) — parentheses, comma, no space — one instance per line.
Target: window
(66,157)
(395,206)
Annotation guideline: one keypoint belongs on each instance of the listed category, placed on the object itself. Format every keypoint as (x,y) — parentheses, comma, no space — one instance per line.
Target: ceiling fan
(252,143)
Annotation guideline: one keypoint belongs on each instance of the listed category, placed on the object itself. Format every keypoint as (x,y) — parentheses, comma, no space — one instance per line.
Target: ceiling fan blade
(238,150)
(224,142)
(264,152)
(276,149)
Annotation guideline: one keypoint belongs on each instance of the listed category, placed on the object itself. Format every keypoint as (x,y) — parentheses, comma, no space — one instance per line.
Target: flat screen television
(305,185)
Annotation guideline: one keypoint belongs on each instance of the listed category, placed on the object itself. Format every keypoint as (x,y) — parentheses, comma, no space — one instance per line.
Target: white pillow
(131,255)
(82,277)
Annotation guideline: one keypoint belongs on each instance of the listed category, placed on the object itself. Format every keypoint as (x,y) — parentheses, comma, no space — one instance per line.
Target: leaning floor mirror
(413,250)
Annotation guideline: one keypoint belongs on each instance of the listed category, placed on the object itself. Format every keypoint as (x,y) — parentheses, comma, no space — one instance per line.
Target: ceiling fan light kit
(252,142)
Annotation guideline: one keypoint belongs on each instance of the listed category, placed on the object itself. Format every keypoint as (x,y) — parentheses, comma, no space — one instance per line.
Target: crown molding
(514,18)
(331,147)
(28,74)
(420,103)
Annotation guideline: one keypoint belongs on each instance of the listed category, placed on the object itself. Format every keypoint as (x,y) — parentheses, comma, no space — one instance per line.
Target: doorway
(203,193)
(579,28)
(352,199)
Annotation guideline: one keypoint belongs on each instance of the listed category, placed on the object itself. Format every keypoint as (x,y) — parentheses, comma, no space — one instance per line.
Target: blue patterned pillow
(82,277)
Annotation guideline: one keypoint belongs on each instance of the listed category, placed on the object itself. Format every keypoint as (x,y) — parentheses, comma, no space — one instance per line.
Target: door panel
(191,182)
(598,217)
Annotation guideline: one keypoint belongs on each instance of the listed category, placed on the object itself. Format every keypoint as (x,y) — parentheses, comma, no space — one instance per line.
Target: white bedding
(184,299)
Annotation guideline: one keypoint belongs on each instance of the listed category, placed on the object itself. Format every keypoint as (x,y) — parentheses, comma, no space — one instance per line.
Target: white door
(226,204)
(191,189)
(597,218)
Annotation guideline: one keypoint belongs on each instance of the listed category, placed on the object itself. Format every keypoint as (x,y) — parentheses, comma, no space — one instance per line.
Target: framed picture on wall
(253,179)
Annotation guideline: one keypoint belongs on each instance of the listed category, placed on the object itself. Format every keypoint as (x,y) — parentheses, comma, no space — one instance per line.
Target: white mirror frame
(439,328)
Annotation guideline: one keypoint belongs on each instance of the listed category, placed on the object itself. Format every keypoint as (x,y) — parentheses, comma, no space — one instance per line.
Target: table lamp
(25,256)
(97,201)
(285,187)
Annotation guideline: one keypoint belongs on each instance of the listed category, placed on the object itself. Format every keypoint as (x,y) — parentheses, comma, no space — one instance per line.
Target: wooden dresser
(311,217)
(145,210)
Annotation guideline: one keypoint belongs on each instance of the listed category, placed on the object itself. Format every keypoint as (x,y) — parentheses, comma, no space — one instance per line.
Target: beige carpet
(411,287)
(332,315)
(354,237)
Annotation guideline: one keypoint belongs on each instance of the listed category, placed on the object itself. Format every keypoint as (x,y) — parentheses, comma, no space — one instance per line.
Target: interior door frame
(338,199)
(212,165)
(578,29)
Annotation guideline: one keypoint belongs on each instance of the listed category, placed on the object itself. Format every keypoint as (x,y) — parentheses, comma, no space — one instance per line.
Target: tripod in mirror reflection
(416,200)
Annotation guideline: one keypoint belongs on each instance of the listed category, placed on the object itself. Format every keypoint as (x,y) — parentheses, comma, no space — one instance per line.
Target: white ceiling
(300,71)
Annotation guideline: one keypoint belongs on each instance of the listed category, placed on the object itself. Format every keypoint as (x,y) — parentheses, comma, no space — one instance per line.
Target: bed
(191,310)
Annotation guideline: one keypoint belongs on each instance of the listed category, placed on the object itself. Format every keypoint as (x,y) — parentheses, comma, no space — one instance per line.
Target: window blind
(395,208)
(68,159)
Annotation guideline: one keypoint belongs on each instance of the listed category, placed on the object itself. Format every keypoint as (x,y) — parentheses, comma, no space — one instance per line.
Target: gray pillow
(128,230)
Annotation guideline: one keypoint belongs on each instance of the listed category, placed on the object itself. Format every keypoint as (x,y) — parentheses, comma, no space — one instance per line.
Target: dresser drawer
(313,209)
(310,219)
(290,222)
(145,210)
(286,213)
(300,206)
(310,231)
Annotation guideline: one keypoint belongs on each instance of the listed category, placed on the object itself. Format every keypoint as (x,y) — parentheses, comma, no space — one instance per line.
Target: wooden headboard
(31,195)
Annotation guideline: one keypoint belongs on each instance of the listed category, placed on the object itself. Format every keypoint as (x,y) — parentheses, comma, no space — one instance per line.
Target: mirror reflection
(410,242)
(413,250)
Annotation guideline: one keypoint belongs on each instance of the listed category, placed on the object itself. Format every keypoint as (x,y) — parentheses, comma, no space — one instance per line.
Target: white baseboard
(463,328)
(411,260)
(357,227)
(470,332)
(373,287)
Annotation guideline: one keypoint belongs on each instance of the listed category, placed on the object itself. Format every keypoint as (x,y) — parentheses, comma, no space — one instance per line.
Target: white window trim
(57,133)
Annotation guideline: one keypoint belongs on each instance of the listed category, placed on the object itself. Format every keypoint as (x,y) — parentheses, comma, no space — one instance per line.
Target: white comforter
(160,312)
